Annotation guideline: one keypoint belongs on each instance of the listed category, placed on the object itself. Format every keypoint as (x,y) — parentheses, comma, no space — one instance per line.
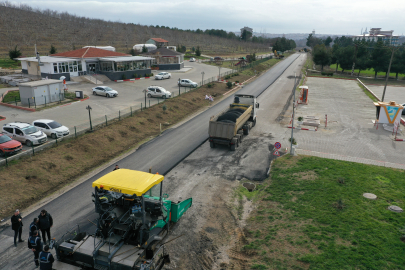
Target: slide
(238,63)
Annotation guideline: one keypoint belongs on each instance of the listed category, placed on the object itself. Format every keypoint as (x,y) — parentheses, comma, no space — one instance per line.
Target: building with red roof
(159,42)
(88,60)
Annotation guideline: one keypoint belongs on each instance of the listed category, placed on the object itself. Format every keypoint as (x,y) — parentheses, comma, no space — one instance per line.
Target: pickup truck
(229,126)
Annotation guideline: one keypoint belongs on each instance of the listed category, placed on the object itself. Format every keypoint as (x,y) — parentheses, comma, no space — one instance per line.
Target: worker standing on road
(45,259)
(16,225)
(116,167)
(45,224)
(34,227)
(34,243)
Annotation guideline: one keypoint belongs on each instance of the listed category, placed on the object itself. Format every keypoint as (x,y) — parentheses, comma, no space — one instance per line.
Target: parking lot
(392,93)
(350,133)
(130,95)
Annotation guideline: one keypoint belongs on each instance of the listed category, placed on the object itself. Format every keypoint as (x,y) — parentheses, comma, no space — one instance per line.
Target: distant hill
(24,26)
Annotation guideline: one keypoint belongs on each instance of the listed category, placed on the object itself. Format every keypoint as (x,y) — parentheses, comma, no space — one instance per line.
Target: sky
(340,17)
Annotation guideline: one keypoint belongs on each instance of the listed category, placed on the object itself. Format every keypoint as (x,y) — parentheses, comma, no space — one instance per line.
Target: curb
(316,129)
(4,118)
(331,77)
(17,107)
(131,80)
(240,84)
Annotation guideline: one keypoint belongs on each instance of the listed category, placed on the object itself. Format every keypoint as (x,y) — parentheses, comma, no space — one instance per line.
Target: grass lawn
(369,72)
(11,96)
(313,216)
(8,63)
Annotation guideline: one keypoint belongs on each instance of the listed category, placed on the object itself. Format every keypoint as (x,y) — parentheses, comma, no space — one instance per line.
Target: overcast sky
(340,17)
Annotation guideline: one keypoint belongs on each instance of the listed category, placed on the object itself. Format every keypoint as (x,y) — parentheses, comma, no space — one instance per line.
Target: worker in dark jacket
(34,227)
(45,259)
(45,223)
(16,225)
(34,243)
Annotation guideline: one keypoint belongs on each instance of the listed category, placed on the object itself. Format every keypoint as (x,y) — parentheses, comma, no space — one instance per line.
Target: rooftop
(126,58)
(89,53)
(46,59)
(159,40)
(41,82)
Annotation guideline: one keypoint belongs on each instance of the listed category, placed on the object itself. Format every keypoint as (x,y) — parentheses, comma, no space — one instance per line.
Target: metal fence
(33,102)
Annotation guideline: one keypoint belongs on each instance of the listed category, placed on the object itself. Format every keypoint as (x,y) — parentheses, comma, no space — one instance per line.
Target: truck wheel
(240,132)
(245,130)
(254,123)
(234,142)
(233,147)
(212,144)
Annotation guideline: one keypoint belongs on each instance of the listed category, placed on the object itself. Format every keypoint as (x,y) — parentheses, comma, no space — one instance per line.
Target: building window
(55,68)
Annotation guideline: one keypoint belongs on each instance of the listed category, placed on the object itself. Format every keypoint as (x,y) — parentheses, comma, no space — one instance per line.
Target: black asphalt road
(162,154)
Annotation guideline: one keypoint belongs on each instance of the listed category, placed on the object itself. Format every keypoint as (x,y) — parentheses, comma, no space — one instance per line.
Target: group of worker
(42,257)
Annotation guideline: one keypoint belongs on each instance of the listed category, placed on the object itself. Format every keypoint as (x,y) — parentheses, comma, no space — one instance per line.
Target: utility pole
(292,123)
(388,74)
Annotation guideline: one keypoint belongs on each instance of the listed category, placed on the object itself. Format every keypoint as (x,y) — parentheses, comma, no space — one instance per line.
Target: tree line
(364,54)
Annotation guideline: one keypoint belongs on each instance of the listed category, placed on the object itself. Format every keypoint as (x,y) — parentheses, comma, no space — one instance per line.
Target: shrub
(229,84)
(227,77)
(237,81)
(124,77)
(164,107)
(14,53)
(327,73)
(146,75)
(209,85)
(236,74)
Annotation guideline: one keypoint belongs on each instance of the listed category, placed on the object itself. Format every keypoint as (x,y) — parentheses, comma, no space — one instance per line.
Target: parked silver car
(187,82)
(51,128)
(157,91)
(104,91)
(163,75)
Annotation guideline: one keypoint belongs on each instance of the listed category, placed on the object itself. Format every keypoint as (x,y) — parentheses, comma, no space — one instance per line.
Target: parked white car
(24,133)
(163,75)
(104,91)
(51,128)
(157,91)
(187,82)
(192,59)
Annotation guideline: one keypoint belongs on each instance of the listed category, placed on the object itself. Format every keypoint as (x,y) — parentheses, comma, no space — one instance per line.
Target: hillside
(24,27)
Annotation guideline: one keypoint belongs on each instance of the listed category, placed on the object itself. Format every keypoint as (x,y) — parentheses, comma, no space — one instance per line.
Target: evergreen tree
(133,52)
(336,50)
(144,49)
(52,50)
(246,35)
(198,51)
(14,53)
(327,41)
(321,56)
(380,58)
(398,62)
(346,58)
(363,56)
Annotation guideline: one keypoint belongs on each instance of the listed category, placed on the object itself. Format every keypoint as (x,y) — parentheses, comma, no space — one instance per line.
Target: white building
(376,33)
(149,47)
(87,61)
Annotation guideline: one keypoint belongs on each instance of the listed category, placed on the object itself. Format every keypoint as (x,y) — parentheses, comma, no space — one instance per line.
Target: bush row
(327,73)
(124,77)
(227,77)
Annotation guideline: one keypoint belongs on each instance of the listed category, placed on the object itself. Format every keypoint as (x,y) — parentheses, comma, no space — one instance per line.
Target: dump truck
(134,217)
(229,126)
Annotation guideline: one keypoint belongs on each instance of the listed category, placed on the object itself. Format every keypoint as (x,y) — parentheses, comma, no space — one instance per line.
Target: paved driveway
(394,93)
(350,133)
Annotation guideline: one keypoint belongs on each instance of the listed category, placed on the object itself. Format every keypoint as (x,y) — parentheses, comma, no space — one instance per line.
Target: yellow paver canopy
(128,181)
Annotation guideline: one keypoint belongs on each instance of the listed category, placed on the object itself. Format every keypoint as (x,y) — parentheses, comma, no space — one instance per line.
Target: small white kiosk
(388,112)
(41,92)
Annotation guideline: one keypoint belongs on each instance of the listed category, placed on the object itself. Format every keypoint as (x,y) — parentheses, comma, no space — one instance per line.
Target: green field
(8,63)
(369,72)
(313,216)
(12,96)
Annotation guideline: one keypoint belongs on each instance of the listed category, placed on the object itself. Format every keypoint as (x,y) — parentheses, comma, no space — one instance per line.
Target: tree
(313,41)
(321,55)
(398,62)
(144,49)
(14,53)
(52,50)
(336,50)
(133,52)
(346,58)
(363,56)
(380,58)
(327,41)
(198,51)
(246,35)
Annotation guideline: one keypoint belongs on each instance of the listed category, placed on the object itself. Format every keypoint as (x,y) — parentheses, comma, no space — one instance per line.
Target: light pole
(219,75)
(202,74)
(89,109)
(144,90)
(388,74)
(292,122)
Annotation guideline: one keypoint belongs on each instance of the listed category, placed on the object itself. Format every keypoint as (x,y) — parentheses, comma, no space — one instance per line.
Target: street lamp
(89,109)
(202,73)
(144,90)
(219,76)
